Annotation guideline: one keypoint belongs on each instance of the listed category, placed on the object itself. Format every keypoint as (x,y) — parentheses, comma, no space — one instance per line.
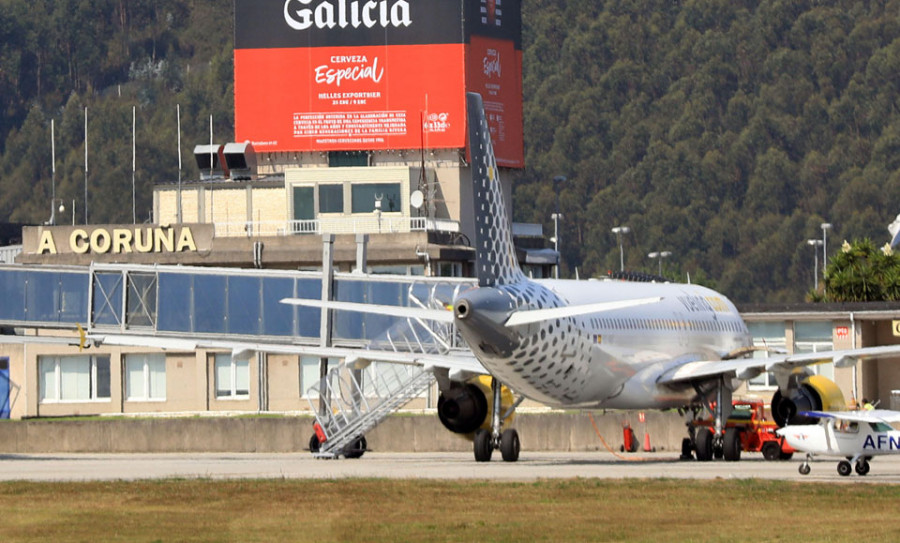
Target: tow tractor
(747,429)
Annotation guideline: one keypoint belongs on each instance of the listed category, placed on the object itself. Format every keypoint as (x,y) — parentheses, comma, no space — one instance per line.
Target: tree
(860,272)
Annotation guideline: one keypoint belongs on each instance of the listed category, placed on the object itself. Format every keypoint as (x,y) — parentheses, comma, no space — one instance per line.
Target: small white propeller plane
(856,436)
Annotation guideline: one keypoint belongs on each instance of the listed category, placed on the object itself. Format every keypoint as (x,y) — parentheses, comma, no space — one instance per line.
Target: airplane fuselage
(607,359)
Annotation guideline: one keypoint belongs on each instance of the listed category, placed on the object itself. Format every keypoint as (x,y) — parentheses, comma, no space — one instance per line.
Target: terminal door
(4,388)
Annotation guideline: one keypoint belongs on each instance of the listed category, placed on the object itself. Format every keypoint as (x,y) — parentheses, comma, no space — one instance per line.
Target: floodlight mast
(618,231)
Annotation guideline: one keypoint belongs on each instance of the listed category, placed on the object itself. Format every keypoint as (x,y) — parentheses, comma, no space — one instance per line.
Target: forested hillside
(59,56)
(724,131)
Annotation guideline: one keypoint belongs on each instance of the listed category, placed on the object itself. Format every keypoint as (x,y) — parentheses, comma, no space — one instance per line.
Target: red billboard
(320,75)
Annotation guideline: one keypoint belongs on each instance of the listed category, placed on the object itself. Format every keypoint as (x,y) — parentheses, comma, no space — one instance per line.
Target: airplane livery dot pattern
(495,254)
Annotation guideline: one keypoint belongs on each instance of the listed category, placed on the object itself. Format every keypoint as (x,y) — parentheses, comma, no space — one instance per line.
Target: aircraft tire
(804,469)
(844,468)
(357,448)
(771,451)
(483,446)
(862,467)
(509,445)
(704,443)
(687,449)
(731,448)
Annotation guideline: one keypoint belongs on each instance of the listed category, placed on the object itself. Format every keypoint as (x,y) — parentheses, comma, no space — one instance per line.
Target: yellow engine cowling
(814,393)
(467,407)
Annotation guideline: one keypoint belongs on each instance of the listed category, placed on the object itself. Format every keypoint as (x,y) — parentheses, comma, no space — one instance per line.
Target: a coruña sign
(116,239)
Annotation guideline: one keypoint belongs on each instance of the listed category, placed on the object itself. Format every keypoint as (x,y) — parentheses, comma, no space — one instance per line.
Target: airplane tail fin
(495,255)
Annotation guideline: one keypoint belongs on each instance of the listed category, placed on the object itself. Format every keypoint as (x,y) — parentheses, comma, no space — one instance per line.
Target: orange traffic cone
(647,447)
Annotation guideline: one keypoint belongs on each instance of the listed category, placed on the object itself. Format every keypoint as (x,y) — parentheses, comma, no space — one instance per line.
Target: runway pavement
(530,467)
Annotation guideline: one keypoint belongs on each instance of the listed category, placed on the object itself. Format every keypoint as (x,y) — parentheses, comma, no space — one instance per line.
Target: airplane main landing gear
(508,444)
(506,441)
(844,468)
(862,466)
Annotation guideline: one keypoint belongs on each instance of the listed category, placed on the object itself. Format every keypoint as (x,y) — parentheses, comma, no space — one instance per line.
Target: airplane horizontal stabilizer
(463,362)
(520,318)
(440,315)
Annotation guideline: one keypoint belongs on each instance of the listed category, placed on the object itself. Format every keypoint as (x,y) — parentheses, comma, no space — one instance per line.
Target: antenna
(85,166)
(133,164)
(53,172)
(210,147)
(178,203)
(423,182)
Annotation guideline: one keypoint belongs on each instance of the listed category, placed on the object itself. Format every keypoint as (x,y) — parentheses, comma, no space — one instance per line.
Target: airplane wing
(457,362)
(875,415)
(751,367)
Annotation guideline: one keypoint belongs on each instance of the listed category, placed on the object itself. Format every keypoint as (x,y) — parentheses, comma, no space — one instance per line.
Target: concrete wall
(401,433)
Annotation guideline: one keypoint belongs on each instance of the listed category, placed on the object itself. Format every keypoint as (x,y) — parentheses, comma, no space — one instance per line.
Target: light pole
(556,217)
(557,186)
(618,231)
(826,226)
(815,244)
(660,255)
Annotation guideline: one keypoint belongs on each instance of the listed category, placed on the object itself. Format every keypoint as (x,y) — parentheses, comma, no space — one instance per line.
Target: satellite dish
(416,199)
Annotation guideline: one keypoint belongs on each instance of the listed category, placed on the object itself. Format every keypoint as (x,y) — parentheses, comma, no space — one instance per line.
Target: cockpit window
(847,427)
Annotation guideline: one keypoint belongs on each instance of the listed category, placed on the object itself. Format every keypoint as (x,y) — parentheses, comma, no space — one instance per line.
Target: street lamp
(815,244)
(53,208)
(556,217)
(660,255)
(825,226)
(618,231)
(557,186)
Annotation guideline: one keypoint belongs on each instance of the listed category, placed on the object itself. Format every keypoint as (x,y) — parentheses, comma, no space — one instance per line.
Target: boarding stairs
(354,401)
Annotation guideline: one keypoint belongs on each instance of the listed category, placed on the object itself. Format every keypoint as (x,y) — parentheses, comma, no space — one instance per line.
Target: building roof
(868,310)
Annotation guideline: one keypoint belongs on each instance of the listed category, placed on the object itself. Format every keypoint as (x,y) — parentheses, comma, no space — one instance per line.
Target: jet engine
(466,407)
(806,393)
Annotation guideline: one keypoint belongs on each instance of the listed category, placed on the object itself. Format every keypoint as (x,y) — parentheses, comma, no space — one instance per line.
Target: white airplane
(856,436)
(599,344)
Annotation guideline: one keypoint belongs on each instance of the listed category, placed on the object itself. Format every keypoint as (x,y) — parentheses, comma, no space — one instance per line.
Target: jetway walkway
(244,306)
(223,304)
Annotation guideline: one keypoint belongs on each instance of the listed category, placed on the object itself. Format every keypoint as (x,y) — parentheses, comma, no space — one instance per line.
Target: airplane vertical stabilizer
(495,255)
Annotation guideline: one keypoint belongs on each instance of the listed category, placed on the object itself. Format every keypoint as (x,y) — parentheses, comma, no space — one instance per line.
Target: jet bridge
(219,304)
(237,306)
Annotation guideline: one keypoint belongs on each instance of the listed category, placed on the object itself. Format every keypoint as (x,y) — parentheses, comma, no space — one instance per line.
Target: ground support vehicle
(747,429)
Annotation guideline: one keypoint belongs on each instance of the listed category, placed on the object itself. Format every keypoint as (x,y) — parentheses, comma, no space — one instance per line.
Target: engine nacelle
(467,407)
(813,393)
